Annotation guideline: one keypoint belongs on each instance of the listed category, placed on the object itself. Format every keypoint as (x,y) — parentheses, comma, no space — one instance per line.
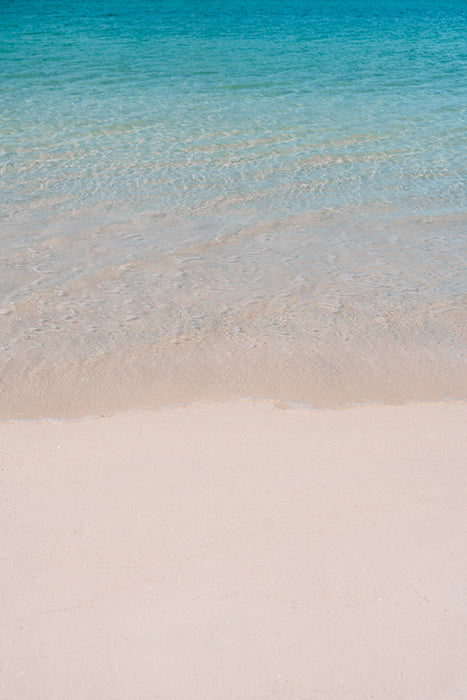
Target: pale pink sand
(236,551)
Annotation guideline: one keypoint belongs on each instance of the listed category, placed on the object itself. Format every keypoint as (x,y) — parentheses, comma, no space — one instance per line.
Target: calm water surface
(214,199)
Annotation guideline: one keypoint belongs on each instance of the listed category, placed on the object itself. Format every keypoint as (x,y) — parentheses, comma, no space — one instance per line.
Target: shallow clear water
(204,199)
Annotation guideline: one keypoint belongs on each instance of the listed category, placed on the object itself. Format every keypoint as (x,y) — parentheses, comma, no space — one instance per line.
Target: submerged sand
(236,551)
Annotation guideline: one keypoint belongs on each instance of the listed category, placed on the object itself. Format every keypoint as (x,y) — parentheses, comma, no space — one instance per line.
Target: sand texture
(236,551)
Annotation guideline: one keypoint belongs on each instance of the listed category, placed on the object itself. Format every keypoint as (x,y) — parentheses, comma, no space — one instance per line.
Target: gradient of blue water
(208,119)
(174,104)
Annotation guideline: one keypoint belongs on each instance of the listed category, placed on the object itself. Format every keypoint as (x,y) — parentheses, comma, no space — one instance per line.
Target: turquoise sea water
(206,199)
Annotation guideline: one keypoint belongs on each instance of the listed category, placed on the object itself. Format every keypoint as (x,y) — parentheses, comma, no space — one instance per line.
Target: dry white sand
(236,551)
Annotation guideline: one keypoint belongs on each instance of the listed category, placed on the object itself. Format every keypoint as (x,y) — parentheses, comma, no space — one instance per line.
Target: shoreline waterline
(326,314)
(60,398)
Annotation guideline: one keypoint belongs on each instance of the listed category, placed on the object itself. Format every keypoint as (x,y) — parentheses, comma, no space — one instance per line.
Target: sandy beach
(233,367)
(236,550)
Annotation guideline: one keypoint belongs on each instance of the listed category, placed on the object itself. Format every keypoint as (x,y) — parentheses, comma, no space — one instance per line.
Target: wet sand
(236,550)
